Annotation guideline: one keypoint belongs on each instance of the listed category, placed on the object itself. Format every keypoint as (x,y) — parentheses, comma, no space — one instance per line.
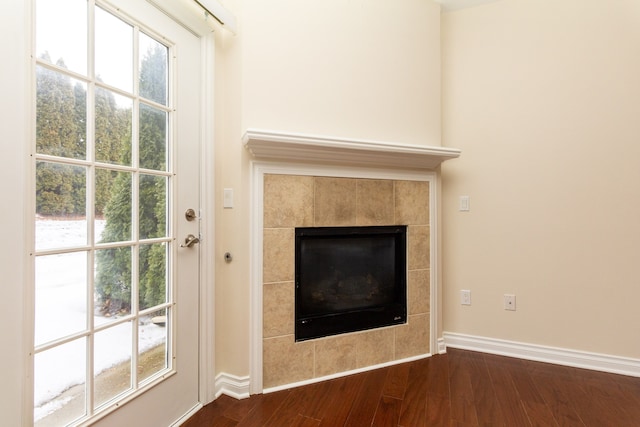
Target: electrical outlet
(465,297)
(510,302)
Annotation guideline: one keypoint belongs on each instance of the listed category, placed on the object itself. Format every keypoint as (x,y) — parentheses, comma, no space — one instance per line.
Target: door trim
(207,224)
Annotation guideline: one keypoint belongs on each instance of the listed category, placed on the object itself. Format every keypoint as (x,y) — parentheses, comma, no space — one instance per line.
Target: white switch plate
(509,302)
(464,204)
(227,201)
(465,297)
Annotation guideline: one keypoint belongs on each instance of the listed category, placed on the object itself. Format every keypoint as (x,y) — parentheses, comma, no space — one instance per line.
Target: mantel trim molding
(271,145)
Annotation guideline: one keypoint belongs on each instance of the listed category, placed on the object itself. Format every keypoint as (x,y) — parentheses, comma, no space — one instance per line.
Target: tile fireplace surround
(290,192)
(306,201)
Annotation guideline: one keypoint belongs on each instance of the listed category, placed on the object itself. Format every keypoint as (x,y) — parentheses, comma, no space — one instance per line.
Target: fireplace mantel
(271,145)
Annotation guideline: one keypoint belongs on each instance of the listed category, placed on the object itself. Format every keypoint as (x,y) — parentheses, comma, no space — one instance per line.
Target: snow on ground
(61,309)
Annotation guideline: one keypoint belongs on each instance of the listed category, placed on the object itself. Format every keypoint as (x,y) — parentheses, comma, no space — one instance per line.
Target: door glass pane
(113,120)
(153,206)
(60,205)
(152,344)
(153,275)
(112,362)
(102,191)
(113,283)
(59,384)
(153,69)
(61,296)
(61,38)
(114,45)
(113,206)
(61,114)
(153,138)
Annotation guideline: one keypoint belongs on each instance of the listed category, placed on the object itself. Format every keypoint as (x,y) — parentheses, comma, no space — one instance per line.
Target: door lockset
(189,241)
(190,215)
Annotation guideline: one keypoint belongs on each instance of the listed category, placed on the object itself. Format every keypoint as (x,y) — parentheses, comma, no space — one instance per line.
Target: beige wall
(367,69)
(543,98)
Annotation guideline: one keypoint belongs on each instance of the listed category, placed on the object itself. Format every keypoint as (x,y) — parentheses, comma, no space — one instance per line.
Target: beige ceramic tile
(418,291)
(412,339)
(285,361)
(412,202)
(278,313)
(278,255)
(418,243)
(335,201)
(288,201)
(375,346)
(335,354)
(374,203)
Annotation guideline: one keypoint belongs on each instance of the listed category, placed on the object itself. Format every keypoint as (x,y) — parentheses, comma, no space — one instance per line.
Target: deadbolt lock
(190,214)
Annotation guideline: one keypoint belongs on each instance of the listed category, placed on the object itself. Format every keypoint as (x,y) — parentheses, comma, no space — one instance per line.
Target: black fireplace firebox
(349,279)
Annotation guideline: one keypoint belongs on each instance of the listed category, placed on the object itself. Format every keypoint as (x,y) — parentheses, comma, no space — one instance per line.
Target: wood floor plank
(462,401)
(396,383)
(459,388)
(213,413)
(388,412)
(558,398)
(438,410)
(539,414)
(323,398)
(438,376)
(508,397)
(302,421)
(339,407)
(617,393)
(266,405)
(414,404)
(365,404)
(294,404)
(537,409)
(240,409)
(486,403)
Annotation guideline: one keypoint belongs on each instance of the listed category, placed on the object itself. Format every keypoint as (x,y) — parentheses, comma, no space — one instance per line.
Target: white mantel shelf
(280,146)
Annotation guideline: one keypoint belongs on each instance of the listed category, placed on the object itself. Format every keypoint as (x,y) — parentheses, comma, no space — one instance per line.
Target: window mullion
(90,136)
(135,269)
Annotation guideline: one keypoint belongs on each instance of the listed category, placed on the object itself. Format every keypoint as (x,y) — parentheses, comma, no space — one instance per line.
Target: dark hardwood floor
(460,388)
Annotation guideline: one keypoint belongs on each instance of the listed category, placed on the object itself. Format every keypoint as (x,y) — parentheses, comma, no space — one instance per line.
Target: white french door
(116,157)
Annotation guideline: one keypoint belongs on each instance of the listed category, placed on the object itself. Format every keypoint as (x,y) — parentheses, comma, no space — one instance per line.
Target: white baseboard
(233,386)
(186,416)
(558,356)
(442,348)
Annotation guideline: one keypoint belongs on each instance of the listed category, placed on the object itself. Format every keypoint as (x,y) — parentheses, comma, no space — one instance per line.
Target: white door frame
(207,224)
(191,16)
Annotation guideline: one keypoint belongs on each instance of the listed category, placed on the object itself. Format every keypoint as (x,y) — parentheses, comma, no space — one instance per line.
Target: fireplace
(349,279)
(294,201)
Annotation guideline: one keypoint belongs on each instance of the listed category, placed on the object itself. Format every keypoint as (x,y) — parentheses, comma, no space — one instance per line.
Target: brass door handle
(189,241)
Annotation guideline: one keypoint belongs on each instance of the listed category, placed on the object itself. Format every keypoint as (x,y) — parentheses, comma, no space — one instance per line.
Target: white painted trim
(258,170)
(442,348)
(451,5)
(207,388)
(184,418)
(271,145)
(344,374)
(434,262)
(233,386)
(256,211)
(540,353)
